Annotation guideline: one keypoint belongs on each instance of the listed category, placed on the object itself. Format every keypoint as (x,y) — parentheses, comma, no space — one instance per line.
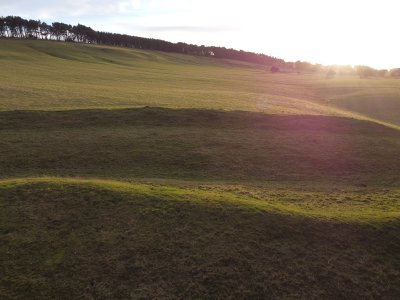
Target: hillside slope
(219,179)
(198,145)
(59,76)
(63,238)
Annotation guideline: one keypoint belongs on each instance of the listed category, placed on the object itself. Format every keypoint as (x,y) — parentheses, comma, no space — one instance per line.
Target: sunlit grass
(194,199)
(38,75)
(108,239)
(362,206)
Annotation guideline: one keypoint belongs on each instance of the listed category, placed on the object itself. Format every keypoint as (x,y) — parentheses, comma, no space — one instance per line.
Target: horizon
(334,33)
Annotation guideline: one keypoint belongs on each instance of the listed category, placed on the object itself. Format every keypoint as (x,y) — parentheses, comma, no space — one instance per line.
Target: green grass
(378,98)
(198,145)
(353,205)
(38,75)
(138,174)
(99,239)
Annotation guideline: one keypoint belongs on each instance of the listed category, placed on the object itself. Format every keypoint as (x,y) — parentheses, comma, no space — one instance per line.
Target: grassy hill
(139,174)
(198,145)
(99,239)
(39,75)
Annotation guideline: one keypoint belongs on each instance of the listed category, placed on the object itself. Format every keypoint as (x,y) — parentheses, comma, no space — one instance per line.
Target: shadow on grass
(197,145)
(156,116)
(78,241)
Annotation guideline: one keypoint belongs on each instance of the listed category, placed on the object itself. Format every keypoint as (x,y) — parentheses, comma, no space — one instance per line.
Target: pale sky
(319,31)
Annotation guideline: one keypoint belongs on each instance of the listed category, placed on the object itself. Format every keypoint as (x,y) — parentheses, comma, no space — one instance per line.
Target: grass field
(113,240)
(198,145)
(57,76)
(140,174)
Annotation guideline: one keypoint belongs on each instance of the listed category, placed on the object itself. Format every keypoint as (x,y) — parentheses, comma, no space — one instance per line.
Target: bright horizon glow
(328,32)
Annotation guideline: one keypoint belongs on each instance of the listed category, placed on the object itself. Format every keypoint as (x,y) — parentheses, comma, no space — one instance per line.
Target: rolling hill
(197,144)
(39,75)
(102,239)
(140,174)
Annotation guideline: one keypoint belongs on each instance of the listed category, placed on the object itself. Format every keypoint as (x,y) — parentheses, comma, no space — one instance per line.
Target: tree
(32,27)
(365,71)
(302,66)
(60,30)
(84,34)
(16,25)
(274,69)
(44,30)
(382,73)
(3,27)
(12,26)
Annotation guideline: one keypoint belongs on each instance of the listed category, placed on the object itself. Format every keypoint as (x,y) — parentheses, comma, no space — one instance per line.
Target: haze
(327,32)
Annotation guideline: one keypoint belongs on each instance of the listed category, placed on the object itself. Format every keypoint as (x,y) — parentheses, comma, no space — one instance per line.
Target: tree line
(334,70)
(17,27)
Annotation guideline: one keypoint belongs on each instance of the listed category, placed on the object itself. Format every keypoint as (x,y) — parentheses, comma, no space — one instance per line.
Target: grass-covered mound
(198,144)
(68,238)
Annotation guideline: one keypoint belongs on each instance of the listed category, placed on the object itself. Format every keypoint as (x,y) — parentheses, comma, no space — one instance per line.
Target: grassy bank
(198,145)
(96,239)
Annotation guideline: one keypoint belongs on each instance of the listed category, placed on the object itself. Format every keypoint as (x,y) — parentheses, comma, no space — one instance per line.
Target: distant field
(139,174)
(38,75)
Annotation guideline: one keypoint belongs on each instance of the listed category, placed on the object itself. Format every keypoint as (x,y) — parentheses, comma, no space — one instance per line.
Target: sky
(347,32)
